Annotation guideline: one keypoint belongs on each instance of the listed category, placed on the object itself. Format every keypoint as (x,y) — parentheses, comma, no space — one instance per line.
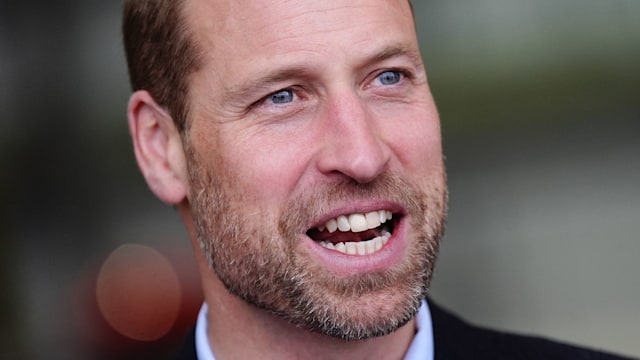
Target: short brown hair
(161,53)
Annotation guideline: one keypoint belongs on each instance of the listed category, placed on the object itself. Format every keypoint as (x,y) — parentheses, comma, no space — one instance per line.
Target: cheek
(259,165)
(415,140)
(266,167)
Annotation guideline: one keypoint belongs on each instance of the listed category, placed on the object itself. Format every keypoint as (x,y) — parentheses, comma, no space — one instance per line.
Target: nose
(351,140)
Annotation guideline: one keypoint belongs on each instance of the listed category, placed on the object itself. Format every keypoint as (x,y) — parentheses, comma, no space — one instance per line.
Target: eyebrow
(392,51)
(262,83)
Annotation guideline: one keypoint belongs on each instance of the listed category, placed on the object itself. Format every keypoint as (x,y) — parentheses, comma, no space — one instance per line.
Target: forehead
(243,28)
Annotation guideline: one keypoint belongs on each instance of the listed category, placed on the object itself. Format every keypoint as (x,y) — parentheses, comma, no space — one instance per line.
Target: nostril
(361,161)
(367,167)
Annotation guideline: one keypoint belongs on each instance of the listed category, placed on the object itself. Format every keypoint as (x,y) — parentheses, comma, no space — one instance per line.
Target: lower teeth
(359,248)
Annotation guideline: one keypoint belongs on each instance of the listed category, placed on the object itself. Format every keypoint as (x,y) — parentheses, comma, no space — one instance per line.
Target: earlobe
(157,148)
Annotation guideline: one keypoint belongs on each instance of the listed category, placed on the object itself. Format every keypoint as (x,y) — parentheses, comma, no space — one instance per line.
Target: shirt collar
(421,346)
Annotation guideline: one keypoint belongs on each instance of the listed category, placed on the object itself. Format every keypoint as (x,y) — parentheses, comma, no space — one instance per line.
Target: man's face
(307,116)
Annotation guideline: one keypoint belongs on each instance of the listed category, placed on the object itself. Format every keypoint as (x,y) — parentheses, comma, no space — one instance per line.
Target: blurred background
(540,106)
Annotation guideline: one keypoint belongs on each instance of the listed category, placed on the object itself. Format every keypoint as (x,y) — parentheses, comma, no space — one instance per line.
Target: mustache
(317,201)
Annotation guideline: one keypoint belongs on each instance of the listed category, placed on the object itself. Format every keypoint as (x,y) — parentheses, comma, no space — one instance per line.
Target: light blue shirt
(421,346)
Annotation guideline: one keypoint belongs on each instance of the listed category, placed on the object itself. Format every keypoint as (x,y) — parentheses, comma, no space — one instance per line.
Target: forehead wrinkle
(305,23)
(312,38)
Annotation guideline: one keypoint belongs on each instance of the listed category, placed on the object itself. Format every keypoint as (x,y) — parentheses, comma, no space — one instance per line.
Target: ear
(157,148)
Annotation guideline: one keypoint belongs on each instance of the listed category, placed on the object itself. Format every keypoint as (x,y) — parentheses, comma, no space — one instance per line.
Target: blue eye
(390,77)
(282,96)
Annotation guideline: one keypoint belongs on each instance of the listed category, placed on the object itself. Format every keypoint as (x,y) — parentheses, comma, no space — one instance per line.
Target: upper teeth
(357,222)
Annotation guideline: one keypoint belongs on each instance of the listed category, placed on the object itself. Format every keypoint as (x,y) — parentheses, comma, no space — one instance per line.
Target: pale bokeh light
(138,292)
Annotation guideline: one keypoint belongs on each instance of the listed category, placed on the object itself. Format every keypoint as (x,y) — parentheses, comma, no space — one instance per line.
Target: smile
(355,234)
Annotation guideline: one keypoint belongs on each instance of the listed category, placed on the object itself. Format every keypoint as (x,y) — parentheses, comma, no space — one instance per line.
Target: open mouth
(356,234)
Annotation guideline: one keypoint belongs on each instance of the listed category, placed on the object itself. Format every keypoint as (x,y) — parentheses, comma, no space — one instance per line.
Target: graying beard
(303,311)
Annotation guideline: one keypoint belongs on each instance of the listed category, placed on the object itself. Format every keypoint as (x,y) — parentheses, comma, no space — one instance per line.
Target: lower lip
(391,254)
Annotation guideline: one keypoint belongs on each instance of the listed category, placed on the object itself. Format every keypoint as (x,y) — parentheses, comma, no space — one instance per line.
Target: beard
(263,262)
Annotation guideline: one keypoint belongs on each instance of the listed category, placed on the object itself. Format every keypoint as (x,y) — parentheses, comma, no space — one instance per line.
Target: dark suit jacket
(455,339)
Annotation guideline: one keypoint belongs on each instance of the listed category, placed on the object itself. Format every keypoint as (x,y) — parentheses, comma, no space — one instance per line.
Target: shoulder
(456,339)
